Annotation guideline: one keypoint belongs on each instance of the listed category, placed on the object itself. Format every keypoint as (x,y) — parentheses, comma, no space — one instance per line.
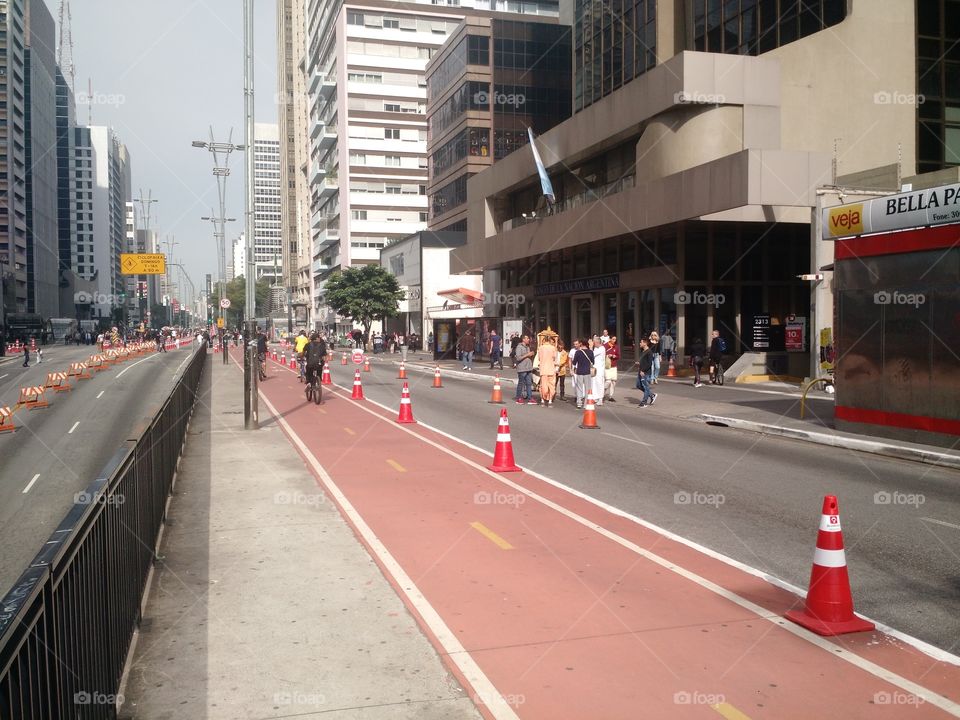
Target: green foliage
(364,293)
(236,292)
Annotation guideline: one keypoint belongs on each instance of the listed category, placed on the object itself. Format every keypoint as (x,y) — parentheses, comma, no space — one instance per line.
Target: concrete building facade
(686,185)
(267,218)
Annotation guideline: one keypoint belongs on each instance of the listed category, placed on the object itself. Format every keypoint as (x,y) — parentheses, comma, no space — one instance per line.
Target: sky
(163,72)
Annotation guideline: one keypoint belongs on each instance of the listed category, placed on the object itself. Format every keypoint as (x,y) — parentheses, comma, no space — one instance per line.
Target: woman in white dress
(599,364)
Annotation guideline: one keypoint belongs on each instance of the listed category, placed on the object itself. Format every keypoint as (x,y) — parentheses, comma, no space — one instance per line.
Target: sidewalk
(264,604)
(768,408)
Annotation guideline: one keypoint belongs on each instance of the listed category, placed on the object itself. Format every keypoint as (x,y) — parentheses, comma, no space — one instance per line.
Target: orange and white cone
(589,421)
(671,368)
(366,364)
(343,359)
(357,387)
(829,606)
(503,454)
(293,363)
(406,408)
(402,375)
(325,376)
(437,383)
(496,397)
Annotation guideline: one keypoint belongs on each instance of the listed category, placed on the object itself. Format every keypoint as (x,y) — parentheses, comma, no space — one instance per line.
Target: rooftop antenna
(90,102)
(65,45)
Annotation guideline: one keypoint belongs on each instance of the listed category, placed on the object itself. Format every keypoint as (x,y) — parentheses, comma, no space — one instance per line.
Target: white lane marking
(857,661)
(70,431)
(485,689)
(30,484)
(120,374)
(3,376)
(620,437)
(99,394)
(941,522)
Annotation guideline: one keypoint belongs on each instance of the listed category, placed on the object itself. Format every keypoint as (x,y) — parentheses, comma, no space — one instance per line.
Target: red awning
(462,296)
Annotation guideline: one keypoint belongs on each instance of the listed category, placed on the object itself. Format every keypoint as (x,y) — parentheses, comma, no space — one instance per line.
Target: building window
(938,86)
(391,134)
(358,214)
(394,189)
(390,23)
(391,107)
(392,161)
(358,159)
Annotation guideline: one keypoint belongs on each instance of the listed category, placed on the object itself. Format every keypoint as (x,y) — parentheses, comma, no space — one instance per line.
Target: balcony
(326,238)
(328,187)
(318,174)
(320,266)
(328,85)
(325,136)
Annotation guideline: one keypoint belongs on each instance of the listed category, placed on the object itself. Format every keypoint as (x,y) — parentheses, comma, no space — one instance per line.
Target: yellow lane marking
(396,466)
(491,536)
(349,431)
(729,711)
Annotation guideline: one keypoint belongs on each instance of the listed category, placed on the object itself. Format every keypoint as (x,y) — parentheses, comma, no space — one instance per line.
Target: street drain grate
(717,423)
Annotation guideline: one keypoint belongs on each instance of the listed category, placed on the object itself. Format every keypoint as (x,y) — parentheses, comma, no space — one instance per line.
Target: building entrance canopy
(462,296)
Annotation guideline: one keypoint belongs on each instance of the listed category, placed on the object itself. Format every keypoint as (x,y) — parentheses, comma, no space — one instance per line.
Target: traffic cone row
(437,383)
(357,387)
(829,606)
(406,408)
(325,376)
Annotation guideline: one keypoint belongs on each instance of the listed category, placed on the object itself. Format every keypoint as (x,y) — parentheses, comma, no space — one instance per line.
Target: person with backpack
(581,363)
(718,346)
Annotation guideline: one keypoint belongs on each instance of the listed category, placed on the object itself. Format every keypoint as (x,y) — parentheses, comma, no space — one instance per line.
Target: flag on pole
(542,171)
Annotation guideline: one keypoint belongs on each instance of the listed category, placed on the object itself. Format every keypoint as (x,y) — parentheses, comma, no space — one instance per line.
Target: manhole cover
(717,423)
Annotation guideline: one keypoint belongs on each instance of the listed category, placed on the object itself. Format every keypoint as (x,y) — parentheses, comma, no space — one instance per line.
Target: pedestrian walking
(645,363)
(600,364)
(26,355)
(610,371)
(563,362)
(523,361)
(581,363)
(697,351)
(39,355)
(547,355)
(467,345)
(655,356)
(667,346)
(495,350)
(718,346)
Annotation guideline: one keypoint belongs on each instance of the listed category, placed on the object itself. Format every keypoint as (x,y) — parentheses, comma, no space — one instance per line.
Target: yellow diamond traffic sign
(143,264)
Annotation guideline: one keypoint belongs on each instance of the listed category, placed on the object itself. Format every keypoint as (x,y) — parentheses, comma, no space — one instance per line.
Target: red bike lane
(548,605)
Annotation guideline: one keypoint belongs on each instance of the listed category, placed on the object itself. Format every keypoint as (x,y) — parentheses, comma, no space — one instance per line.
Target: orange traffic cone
(293,363)
(671,368)
(366,364)
(325,376)
(343,359)
(402,375)
(496,397)
(436,378)
(829,606)
(406,409)
(503,455)
(357,387)
(589,421)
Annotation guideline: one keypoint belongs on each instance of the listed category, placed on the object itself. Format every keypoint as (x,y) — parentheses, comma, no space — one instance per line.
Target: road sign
(143,264)
(225,303)
(219,322)
(358,356)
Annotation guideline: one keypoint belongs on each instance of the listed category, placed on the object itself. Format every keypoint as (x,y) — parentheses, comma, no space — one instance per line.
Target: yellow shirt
(302,342)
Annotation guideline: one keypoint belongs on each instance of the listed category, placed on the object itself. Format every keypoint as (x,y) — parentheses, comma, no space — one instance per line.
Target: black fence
(67,624)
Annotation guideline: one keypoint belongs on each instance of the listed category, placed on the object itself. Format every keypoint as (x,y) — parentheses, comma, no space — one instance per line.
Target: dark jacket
(316,352)
(468,343)
(697,349)
(582,361)
(645,361)
(716,351)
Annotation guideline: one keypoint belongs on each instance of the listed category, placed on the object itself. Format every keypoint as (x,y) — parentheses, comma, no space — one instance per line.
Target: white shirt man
(600,364)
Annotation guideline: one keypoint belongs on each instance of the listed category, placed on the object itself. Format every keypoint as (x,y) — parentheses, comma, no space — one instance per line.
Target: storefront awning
(462,296)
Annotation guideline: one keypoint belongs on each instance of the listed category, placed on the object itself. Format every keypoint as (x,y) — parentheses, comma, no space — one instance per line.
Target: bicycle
(314,389)
(716,372)
(302,366)
(261,366)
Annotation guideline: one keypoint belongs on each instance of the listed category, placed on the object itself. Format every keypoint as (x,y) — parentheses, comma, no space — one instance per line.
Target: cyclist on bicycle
(299,346)
(717,347)
(316,353)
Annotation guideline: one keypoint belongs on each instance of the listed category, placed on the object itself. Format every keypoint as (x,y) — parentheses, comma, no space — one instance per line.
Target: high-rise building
(294,154)
(491,80)
(13,160)
(66,187)
(267,220)
(40,71)
(367,168)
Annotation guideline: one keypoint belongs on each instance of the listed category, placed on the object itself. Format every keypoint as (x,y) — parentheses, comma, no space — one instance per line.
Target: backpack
(723,345)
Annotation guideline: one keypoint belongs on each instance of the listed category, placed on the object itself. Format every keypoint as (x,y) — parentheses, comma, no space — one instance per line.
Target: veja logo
(846,220)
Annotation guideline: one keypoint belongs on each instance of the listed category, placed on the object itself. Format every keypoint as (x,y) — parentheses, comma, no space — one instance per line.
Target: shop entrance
(582,316)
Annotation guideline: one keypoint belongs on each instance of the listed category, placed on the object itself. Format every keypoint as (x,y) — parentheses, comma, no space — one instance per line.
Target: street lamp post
(221,239)
(250,414)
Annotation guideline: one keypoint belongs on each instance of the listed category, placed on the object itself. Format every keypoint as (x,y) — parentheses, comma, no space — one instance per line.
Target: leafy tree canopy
(364,292)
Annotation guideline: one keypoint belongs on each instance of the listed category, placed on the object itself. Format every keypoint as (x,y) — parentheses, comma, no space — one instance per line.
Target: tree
(236,292)
(364,293)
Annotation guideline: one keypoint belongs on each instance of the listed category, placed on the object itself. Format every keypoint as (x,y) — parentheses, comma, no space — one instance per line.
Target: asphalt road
(753,498)
(58,451)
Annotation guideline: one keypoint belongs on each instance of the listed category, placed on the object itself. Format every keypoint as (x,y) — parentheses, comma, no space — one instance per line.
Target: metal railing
(67,624)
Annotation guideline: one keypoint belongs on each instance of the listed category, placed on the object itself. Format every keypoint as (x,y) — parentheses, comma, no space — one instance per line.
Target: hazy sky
(163,72)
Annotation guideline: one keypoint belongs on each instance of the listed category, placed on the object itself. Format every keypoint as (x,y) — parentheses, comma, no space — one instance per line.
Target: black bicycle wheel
(309,392)
(317,392)
(719,372)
